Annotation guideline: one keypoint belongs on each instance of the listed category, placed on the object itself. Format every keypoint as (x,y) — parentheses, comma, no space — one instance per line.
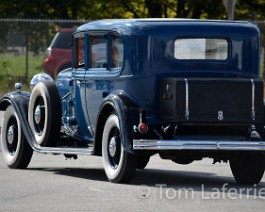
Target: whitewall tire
(44,113)
(16,150)
(119,165)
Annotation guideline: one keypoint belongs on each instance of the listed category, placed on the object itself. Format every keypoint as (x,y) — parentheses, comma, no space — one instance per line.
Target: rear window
(61,40)
(201,49)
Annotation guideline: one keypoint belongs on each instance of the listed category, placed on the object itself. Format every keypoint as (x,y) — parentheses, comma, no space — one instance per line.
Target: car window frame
(76,38)
(108,69)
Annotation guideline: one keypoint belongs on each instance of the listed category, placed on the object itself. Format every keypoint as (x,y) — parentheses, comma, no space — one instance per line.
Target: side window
(98,53)
(116,52)
(79,52)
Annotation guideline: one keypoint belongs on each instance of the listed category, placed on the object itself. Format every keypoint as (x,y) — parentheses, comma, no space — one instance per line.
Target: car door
(79,82)
(105,59)
(94,77)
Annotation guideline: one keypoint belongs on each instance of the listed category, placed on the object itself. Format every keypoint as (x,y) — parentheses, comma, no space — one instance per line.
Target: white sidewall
(9,158)
(39,90)
(111,173)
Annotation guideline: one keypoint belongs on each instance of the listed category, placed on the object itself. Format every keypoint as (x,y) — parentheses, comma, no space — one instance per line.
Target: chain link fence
(24,48)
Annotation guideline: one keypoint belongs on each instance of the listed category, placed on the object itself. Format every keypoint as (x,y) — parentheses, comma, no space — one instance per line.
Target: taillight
(143,128)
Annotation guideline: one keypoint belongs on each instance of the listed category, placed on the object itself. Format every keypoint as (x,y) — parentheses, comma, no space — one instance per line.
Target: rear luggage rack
(211,100)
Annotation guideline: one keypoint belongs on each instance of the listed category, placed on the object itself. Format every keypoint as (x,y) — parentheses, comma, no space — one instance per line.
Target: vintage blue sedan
(183,89)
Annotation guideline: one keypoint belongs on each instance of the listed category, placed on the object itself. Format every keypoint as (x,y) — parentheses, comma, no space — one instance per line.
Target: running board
(63,150)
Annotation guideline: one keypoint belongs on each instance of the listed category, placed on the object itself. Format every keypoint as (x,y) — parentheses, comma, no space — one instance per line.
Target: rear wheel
(142,161)
(15,148)
(119,165)
(248,168)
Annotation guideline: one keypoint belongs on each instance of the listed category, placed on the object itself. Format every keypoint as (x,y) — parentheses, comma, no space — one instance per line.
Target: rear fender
(127,112)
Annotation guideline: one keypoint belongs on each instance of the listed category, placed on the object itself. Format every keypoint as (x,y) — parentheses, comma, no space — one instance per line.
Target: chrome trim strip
(187,112)
(253,100)
(61,150)
(141,144)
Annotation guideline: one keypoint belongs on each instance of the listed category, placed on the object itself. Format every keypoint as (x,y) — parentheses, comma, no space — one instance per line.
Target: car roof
(128,26)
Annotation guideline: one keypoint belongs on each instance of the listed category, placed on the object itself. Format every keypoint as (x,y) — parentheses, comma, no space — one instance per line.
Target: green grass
(13,69)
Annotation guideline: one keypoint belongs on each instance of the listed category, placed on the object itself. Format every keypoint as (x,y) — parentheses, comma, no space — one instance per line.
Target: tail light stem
(142,127)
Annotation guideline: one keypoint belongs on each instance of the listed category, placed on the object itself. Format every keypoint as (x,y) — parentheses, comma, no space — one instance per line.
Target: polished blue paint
(148,58)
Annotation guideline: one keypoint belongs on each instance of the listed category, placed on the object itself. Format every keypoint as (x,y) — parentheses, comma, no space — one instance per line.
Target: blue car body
(185,89)
(148,58)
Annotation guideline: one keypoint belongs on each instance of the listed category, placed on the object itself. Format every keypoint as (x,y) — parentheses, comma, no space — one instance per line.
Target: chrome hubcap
(112,147)
(10,135)
(37,114)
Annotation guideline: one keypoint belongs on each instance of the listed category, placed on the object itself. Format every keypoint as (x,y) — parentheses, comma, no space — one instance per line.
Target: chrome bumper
(198,145)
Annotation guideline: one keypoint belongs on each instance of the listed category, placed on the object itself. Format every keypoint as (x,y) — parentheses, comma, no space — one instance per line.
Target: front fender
(127,111)
(19,100)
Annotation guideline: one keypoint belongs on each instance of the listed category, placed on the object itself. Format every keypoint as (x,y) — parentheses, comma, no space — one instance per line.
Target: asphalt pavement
(51,183)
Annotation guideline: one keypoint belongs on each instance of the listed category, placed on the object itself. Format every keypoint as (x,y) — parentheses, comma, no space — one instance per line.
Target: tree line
(100,9)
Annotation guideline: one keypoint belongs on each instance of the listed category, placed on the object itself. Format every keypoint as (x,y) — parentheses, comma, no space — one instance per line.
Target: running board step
(63,150)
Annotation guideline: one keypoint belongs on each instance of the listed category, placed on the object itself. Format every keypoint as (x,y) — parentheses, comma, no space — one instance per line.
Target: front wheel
(15,148)
(119,165)
(248,168)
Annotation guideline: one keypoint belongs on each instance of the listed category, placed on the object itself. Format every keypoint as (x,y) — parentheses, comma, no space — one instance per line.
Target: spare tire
(44,113)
